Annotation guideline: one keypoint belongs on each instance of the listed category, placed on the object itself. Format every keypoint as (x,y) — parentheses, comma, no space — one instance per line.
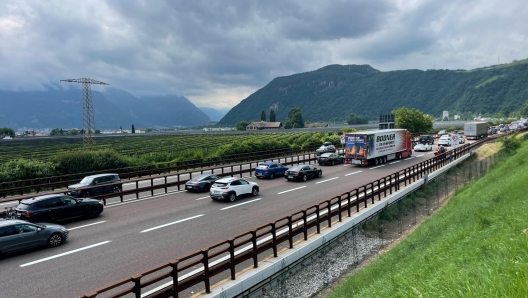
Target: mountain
(112,108)
(214,114)
(335,91)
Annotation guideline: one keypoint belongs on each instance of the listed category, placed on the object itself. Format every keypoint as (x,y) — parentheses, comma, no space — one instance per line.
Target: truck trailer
(475,130)
(377,146)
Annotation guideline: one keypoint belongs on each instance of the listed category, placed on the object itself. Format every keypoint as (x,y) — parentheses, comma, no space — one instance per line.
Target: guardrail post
(274,237)
(317,219)
(255,252)
(305,225)
(232,257)
(348,204)
(290,231)
(152,184)
(339,206)
(166,184)
(205,261)
(137,285)
(174,275)
(240,170)
(329,212)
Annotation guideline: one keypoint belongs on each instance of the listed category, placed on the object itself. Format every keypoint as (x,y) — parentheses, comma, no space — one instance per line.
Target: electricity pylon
(88,114)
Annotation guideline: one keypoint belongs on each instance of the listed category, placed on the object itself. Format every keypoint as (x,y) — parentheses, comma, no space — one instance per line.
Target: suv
(231,188)
(327,147)
(427,139)
(105,183)
(18,235)
(57,207)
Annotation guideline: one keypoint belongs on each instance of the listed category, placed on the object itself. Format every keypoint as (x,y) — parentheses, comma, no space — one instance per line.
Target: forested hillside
(334,91)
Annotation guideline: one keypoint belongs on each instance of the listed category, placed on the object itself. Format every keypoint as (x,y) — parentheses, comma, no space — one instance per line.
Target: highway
(137,235)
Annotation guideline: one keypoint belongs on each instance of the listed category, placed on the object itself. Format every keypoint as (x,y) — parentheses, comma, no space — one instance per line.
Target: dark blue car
(270,169)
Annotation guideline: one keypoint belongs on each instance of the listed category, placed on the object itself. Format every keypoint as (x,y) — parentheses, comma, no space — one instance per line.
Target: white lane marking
(420,155)
(144,198)
(241,204)
(202,198)
(394,162)
(326,180)
(409,158)
(279,193)
(95,223)
(430,153)
(171,223)
(353,173)
(64,254)
(376,167)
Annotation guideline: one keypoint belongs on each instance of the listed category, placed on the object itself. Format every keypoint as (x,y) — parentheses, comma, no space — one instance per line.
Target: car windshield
(326,154)
(295,168)
(200,177)
(220,184)
(262,166)
(323,147)
(86,180)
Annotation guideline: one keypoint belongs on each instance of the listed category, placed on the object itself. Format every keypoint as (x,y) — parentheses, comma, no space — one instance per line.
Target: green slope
(335,91)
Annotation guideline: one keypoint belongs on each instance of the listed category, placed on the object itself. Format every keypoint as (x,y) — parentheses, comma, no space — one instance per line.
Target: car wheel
(255,191)
(272,176)
(232,197)
(92,213)
(333,163)
(305,178)
(86,194)
(376,161)
(320,174)
(116,189)
(55,240)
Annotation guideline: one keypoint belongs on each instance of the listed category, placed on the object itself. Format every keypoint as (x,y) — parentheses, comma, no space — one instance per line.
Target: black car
(303,172)
(106,183)
(201,183)
(330,159)
(327,147)
(426,139)
(18,235)
(56,207)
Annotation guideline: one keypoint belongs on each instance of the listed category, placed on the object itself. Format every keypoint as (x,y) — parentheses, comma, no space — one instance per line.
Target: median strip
(63,254)
(279,193)
(171,223)
(241,204)
(326,180)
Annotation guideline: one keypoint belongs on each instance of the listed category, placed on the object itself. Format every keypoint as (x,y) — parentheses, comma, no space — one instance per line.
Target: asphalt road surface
(137,235)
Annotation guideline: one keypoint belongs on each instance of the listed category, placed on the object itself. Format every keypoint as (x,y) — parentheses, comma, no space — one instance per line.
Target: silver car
(18,235)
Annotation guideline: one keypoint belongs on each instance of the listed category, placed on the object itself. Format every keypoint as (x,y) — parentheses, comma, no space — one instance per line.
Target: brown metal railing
(215,261)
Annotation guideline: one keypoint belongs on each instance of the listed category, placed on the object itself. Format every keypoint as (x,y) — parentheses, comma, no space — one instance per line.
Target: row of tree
(271,116)
(70,132)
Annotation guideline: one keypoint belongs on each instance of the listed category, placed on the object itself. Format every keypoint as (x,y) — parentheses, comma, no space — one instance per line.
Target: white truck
(475,130)
(377,146)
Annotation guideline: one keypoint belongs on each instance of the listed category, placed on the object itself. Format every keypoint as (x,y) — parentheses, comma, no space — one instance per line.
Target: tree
(7,131)
(74,131)
(272,115)
(355,119)
(133,129)
(97,131)
(412,120)
(294,119)
(262,116)
(523,111)
(242,125)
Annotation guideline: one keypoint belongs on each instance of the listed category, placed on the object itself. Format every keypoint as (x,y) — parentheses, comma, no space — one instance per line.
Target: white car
(230,188)
(444,140)
(423,147)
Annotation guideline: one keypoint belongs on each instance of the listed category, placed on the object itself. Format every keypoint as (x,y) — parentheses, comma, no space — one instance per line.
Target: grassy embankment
(476,246)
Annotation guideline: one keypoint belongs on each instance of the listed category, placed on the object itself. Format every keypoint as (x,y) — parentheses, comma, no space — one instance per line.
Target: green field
(476,246)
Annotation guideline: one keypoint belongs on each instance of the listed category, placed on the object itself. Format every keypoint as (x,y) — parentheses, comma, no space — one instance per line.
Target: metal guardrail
(59,182)
(294,159)
(226,255)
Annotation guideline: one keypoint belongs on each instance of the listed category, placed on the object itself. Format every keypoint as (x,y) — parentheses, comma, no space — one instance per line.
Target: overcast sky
(216,53)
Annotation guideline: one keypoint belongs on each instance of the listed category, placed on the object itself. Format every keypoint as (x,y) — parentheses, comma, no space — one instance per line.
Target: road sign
(342,139)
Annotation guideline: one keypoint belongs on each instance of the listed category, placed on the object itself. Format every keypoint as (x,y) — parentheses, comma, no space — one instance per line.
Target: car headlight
(64,230)
(101,202)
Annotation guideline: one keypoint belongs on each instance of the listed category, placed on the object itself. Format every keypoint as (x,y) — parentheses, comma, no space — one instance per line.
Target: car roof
(100,175)
(40,198)
(226,180)
(7,222)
